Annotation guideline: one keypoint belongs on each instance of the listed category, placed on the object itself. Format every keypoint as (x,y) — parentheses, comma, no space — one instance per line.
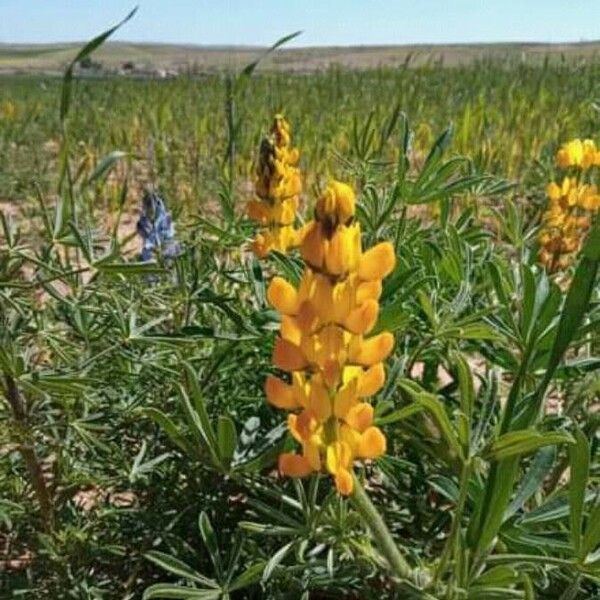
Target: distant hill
(134,58)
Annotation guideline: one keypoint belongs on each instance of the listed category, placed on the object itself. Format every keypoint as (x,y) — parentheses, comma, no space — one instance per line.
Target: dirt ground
(166,59)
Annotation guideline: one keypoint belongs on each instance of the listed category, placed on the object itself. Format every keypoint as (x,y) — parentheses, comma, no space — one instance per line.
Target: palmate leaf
(197,414)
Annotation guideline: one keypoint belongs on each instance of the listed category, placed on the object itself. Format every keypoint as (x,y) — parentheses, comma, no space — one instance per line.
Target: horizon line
(221,46)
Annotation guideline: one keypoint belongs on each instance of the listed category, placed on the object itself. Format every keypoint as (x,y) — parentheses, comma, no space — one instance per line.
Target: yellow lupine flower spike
(277,186)
(578,153)
(333,366)
(571,205)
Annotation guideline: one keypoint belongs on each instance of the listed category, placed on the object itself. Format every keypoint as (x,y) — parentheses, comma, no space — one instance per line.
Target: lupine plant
(412,314)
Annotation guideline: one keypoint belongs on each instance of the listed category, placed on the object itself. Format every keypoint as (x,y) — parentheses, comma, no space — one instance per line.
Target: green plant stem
(30,457)
(450,546)
(381,533)
(417,352)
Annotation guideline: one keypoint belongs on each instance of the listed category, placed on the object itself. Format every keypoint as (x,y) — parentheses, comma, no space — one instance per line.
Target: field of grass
(506,116)
(141,314)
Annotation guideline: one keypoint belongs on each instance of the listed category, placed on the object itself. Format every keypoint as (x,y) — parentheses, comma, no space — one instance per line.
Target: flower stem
(380,532)
(29,454)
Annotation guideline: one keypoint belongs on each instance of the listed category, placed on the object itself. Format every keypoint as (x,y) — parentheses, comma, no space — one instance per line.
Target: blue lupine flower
(156,228)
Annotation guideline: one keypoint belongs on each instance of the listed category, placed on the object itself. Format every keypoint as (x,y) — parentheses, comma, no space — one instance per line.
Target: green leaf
(518,443)
(392,317)
(489,514)
(398,415)
(276,559)
(438,411)
(128,269)
(579,460)
(591,538)
(250,576)
(210,541)
(249,69)
(179,568)
(65,100)
(169,591)
(479,331)
(169,427)
(197,413)
(500,575)
(533,479)
(427,307)
(571,317)
(105,165)
(553,510)
(227,439)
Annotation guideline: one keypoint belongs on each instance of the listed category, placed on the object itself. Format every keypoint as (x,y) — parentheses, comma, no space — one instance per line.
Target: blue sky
(324,22)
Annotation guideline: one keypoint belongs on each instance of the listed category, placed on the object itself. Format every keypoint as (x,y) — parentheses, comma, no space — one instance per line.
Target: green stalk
(30,457)
(451,543)
(380,532)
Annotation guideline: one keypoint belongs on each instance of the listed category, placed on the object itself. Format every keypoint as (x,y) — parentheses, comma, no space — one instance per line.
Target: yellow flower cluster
(277,186)
(333,366)
(8,110)
(571,205)
(578,153)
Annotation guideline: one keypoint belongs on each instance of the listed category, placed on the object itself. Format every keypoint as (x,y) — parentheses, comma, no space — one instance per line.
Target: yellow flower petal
(307,318)
(343,253)
(360,416)
(313,247)
(288,356)
(374,350)
(321,298)
(312,455)
(371,381)
(318,401)
(290,330)
(351,437)
(553,191)
(377,262)
(372,443)
(345,399)
(338,456)
(368,290)
(260,246)
(294,465)
(282,296)
(363,318)
(280,394)
(258,211)
(302,426)
(344,482)
(337,203)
